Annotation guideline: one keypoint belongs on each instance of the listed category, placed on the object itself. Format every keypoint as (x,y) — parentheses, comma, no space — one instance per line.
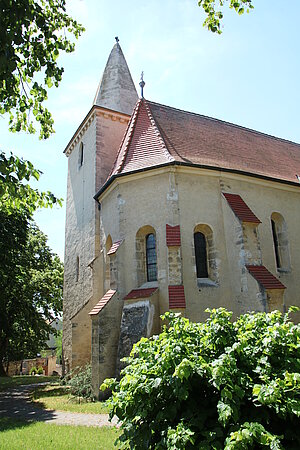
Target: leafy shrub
(40,371)
(212,385)
(33,370)
(79,382)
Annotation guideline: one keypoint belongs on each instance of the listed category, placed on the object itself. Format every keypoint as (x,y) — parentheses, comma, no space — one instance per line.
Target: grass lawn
(56,397)
(15,435)
(18,380)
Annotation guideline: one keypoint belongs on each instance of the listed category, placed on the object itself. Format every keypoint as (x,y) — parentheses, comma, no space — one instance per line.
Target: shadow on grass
(15,406)
(7,423)
(45,391)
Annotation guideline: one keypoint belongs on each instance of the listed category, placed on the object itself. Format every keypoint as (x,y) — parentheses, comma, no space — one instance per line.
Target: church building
(170,210)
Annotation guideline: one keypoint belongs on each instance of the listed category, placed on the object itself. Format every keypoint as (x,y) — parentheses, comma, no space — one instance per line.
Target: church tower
(91,153)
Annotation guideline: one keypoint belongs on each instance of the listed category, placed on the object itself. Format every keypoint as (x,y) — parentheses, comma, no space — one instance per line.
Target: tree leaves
(214,14)
(33,33)
(213,385)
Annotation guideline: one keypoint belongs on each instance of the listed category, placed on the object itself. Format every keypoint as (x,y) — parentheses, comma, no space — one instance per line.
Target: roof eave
(199,166)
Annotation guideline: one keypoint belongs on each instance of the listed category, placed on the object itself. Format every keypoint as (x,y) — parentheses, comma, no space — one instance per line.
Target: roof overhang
(191,165)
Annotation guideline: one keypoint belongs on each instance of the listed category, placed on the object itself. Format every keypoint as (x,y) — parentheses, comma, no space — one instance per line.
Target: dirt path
(15,403)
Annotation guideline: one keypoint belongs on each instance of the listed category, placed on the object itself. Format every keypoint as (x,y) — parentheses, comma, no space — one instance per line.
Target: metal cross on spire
(117,39)
(142,84)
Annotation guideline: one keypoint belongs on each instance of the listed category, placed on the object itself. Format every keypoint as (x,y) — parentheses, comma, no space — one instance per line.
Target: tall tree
(31,282)
(32,35)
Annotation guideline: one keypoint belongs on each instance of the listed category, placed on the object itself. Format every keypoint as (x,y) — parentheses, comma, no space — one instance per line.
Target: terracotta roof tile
(142,145)
(240,208)
(197,139)
(103,302)
(158,134)
(176,297)
(173,235)
(265,278)
(140,293)
(114,247)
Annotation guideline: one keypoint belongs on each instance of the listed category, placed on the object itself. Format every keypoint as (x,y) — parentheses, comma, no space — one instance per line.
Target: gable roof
(116,90)
(160,135)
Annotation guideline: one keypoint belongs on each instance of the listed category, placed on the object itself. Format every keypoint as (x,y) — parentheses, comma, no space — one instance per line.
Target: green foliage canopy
(213,385)
(31,283)
(15,193)
(214,11)
(32,35)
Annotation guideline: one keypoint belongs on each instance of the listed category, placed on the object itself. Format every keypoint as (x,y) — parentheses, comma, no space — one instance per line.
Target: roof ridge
(251,130)
(159,134)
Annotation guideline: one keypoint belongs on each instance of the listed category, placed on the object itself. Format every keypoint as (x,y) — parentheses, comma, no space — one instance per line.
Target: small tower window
(151,257)
(80,157)
(77,268)
(200,255)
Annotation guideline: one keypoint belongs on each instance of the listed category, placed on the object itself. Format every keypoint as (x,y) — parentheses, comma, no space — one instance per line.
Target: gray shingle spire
(116,90)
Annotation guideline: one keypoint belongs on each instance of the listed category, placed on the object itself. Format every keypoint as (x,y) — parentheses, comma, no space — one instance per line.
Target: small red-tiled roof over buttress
(160,135)
(240,208)
(265,278)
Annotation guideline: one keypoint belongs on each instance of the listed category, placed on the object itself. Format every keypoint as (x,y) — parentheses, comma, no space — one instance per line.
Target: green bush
(79,382)
(33,370)
(213,385)
(40,371)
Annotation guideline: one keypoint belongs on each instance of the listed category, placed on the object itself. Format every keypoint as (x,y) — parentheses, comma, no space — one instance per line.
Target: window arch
(280,242)
(146,255)
(205,255)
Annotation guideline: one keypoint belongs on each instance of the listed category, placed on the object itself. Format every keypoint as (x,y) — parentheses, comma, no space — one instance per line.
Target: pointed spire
(116,89)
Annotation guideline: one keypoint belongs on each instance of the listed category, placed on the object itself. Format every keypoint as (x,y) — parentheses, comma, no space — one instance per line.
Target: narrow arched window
(200,255)
(80,157)
(77,268)
(151,257)
(276,243)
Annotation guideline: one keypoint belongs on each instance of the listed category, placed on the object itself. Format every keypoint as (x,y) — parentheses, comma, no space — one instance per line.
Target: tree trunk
(2,370)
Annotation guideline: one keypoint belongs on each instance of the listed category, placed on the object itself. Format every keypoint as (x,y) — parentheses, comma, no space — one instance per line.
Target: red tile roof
(265,278)
(103,302)
(159,134)
(114,247)
(142,144)
(173,235)
(140,293)
(176,297)
(240,209)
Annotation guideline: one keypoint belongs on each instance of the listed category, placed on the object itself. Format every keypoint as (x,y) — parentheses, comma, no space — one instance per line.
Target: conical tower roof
(116,90)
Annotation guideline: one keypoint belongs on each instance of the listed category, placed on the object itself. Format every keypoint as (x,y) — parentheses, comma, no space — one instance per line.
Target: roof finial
(142,84)
(117,39)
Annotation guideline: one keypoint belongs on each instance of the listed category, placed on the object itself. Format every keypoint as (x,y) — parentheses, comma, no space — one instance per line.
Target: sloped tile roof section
(140,293)
(114,247)
(173,235)
(176,297)
(103,302)
(265,278)
(240,208)
(142,145)
(116,89)
(201,140)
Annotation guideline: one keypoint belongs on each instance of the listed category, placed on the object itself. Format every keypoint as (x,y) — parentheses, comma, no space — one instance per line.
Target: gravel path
(15,403)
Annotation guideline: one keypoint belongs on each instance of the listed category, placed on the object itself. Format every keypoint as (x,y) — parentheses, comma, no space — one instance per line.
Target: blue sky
(249,75)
